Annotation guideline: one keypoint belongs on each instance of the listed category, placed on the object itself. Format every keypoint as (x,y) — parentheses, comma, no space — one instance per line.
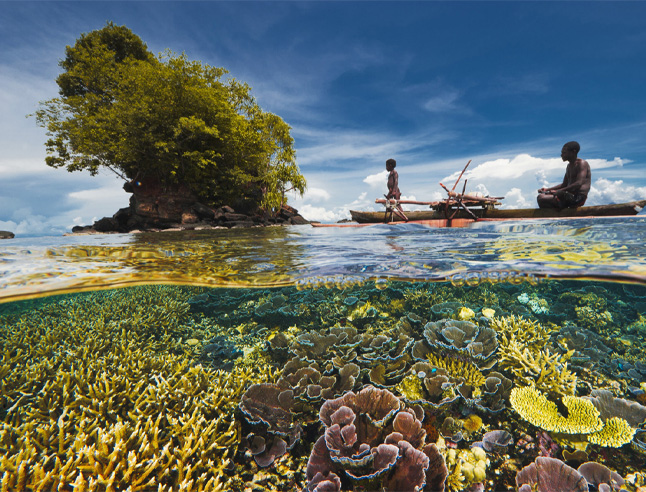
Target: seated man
(573,191)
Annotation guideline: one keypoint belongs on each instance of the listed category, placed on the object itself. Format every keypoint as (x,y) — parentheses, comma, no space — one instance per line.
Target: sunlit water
(88,324)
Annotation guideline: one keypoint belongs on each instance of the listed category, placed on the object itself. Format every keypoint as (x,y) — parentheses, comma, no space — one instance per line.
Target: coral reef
(462,336)
(228,389)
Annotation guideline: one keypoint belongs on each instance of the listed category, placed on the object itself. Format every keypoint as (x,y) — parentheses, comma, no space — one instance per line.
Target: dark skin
(393,191)
(576,182)
(393,182)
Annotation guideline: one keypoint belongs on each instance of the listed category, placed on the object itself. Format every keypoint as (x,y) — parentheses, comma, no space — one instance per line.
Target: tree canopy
(165,117)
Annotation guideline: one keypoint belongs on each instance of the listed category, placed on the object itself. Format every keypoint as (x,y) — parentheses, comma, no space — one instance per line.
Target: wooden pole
(460,176)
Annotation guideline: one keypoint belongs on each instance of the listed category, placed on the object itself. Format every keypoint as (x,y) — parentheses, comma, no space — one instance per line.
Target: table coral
(583,417)
(615,433)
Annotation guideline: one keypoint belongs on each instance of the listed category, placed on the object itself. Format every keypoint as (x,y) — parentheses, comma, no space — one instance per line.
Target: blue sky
(431,84)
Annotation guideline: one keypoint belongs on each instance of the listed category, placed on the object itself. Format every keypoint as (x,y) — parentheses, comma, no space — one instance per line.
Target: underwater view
(504,356)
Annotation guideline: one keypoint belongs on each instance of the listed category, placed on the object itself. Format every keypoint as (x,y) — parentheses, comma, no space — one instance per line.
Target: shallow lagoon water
(128,359)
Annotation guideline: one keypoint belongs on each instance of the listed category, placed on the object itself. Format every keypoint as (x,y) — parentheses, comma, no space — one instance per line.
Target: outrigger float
(461,210)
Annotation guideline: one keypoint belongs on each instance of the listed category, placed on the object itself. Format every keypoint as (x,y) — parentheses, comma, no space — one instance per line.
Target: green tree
(178,121)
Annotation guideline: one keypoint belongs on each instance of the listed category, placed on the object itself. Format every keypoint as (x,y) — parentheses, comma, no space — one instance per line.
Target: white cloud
(514,198)
(603,163)
(316,195)
(320,214)
(606,191)
(377,180)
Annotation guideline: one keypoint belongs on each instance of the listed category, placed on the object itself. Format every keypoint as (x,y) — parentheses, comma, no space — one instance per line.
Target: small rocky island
(202,155)
(154,209)
(7,235)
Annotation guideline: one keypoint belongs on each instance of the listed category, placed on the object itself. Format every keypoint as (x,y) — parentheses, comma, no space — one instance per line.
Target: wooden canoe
(618,209)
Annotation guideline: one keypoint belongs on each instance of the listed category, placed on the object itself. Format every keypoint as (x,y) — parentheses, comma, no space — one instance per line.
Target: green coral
(411,388)
(588,317)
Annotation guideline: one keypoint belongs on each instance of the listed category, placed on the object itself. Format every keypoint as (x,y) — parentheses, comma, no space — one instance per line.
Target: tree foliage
(166,117)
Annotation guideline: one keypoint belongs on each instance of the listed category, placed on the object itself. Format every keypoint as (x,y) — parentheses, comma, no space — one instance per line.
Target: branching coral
(526,332)
(97,401)
(460,369)
(539,368)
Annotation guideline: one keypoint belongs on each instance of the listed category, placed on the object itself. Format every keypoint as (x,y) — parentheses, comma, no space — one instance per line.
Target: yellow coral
(583,417)
(488,313)
(103,392)
(465,313)
(472,423)
(539,368)
(459,369)
(411,388)
(526,332)
(615,433)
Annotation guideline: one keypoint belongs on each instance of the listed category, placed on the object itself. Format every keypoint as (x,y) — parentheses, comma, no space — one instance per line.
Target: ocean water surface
(496,357)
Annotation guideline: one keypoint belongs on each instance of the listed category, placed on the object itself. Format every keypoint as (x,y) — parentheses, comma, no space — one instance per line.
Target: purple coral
(368,436)
(437,470)
(550,475)
(270,405)
(410,473)
(601,476)
(495,440)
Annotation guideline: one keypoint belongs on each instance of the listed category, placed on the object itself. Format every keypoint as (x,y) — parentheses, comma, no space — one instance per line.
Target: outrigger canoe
(461,210)
(618,209)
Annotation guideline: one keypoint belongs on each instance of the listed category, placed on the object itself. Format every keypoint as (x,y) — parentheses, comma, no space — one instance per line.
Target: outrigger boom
(450,205)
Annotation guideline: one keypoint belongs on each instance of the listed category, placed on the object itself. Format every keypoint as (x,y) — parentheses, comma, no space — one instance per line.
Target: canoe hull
(618,209)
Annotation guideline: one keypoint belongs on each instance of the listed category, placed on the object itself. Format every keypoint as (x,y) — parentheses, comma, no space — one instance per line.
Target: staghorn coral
(540,368)
(97,401)
(528,333)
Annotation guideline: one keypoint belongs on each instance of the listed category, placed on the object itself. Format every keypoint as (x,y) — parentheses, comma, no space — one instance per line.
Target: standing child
(393,180)
(393,192)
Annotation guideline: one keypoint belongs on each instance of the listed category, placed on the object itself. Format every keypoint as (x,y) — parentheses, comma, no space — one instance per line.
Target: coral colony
(396,386)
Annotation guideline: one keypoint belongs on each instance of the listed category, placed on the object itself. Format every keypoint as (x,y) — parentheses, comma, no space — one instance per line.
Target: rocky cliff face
(154,207)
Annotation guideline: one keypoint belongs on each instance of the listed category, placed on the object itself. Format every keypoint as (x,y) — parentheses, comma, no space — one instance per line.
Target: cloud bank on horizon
(431,84)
